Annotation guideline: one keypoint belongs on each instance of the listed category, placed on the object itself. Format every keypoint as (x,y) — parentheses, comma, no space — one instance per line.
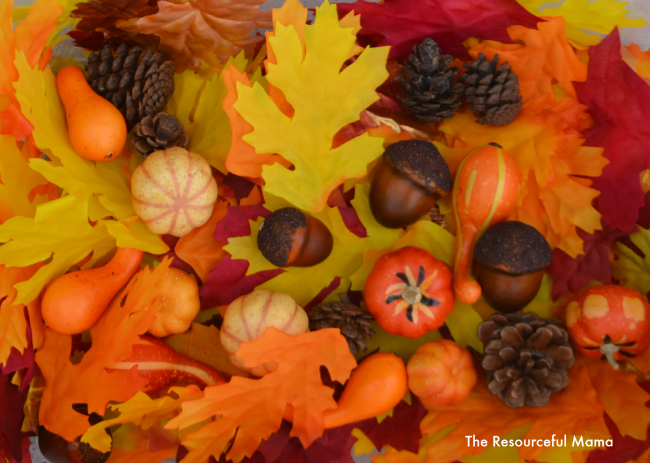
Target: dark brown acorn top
(513,247)
(276,234)
(421,162)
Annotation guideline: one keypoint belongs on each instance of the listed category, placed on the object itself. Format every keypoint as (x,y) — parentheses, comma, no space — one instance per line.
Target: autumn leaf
(140,410)
(13,324)
(554,198)
(599,16)
(199,248)
(629,268)
(574,411)
(619,115)
(642,61)
(296,381)
(130,314)
(141,454)
(324,100)
(621,397)
(190,31)
(305,283)
(401,24)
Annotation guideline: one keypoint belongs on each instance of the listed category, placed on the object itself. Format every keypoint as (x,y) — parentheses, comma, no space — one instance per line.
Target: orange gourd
(441,373)
(375,387)
(76,300)
(485,192)
(96,128)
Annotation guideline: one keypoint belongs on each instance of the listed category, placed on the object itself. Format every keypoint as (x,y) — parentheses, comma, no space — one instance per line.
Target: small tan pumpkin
(173,191)
(248,316)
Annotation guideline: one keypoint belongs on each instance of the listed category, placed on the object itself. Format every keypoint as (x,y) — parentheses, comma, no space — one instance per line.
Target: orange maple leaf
(199,248)
(574,411)
(13,325)
(191,31)
(642,59)
(253,409)
(130,314)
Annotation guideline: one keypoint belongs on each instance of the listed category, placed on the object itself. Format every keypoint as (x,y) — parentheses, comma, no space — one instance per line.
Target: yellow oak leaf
(297,381)
(142,411)
(324,100)
(600,16)
(347,255)
(190,30)
(629,268)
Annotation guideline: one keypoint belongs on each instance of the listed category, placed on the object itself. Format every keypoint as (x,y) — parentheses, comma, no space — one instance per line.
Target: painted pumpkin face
(609,322)
(409,292)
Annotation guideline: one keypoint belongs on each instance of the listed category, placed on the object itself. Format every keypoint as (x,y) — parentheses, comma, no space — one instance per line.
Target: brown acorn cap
(420,162)
(277,232)
(513,247)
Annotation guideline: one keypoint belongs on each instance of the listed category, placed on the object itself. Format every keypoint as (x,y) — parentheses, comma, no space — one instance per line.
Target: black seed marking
(429,302)
(590,347)
(607,339)
(627,344)
(421,276)
(402,277)
(393,298)
(409,313)
(626,354)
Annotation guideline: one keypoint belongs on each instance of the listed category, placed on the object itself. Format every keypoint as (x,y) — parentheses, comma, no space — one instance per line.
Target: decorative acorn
(290,238)
(609,322)
(410,177)
(58,450)
(485,192)
(509,263)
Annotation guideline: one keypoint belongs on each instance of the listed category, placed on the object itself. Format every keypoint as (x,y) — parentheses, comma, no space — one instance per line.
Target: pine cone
(137,86)
(493,94)
(526,358)
(433,91)
(158,133)
(352,320)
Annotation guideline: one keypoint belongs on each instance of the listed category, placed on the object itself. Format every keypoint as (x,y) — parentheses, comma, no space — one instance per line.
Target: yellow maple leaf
(142,411)
(600,16)
(305,283)
(324,100)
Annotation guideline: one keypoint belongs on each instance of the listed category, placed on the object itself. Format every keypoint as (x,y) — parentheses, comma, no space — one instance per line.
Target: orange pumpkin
(441,373)
(485,192)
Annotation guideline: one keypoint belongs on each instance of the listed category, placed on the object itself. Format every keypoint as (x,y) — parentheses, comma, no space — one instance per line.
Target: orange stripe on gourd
(485,192)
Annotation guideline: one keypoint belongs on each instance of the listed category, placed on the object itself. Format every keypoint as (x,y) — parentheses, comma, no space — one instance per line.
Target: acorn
(290,238)
(509,263)
(410,178)
(58,450)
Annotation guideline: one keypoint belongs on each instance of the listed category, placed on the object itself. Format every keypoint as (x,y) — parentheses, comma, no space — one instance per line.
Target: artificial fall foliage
(599,16)
(629,268)
(130,314)
(324,99)
(296,381)
(619,114)
(641,62)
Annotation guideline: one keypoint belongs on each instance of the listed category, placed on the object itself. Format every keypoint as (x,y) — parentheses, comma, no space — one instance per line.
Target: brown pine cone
(526,358)
(491,92)
(158,133)
(352,320)
(137,86)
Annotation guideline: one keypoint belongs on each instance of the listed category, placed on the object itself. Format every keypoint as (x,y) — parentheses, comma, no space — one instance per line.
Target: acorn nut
(290,238)
(509,263)
(410,177)
(56,449)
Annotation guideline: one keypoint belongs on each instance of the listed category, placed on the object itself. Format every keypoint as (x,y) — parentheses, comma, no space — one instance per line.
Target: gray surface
(640,36)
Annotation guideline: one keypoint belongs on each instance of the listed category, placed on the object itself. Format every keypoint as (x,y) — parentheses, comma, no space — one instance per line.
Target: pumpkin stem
(608,351)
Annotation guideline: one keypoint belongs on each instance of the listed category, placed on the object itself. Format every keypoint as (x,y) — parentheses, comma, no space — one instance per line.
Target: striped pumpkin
(248,316)
(173,191)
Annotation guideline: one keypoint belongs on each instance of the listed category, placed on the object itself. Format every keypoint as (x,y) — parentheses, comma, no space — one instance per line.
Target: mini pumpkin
(441,373)
(173,191)
(409,292)
(609,322)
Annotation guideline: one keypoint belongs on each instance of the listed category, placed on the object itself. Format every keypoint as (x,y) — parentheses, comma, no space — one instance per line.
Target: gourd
(441,373)
(181,304)
(75,301)
(485,192)
(96,128)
